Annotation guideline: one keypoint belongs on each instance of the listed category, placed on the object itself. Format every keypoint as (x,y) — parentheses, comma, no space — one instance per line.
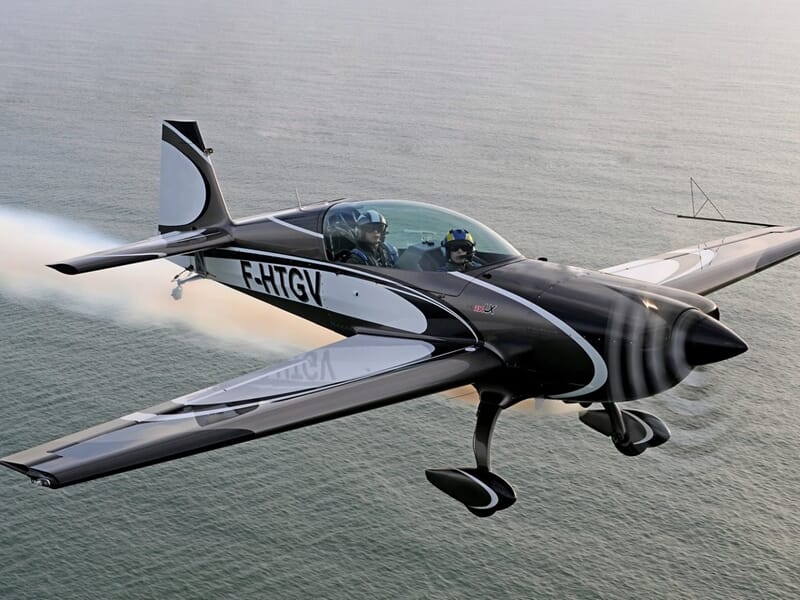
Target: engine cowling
(647,342)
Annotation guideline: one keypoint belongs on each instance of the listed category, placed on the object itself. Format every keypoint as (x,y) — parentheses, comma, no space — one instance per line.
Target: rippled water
(558,125)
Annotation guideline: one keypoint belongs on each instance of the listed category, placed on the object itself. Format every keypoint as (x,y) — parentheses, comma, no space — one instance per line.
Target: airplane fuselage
(561,332)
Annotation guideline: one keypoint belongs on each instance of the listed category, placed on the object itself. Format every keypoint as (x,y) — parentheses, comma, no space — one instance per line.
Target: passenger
(371,247)
(459,248)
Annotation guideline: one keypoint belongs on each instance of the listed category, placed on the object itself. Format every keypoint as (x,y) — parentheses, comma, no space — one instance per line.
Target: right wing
(710,266)
(349,376)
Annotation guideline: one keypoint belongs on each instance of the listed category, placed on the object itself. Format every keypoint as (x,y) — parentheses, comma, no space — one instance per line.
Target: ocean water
(559,125)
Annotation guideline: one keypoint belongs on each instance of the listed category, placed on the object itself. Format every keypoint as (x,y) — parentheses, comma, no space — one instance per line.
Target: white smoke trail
(537,406)
(137,294)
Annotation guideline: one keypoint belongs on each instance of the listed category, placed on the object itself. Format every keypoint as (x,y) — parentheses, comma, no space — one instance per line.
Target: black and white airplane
(420,315)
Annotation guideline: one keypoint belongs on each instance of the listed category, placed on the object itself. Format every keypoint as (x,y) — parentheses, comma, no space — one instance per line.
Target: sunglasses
(465,247)
(373,228)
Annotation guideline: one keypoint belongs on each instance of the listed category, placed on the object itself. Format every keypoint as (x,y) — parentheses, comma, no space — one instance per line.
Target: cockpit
(413,232)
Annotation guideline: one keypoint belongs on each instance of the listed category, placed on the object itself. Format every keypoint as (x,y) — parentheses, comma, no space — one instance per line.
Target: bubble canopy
(415,229)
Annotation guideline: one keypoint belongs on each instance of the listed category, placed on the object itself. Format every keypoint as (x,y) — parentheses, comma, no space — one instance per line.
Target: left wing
(352,375)
(710,266)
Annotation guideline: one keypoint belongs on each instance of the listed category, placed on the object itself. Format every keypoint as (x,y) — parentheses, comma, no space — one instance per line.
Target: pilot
(371,248)
(459,249)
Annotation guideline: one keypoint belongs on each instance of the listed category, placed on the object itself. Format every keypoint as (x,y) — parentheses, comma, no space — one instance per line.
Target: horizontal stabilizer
(160,246)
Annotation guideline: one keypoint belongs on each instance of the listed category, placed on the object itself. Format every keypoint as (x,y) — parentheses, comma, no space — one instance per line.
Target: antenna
(297,195)
(693,184)
(696,211)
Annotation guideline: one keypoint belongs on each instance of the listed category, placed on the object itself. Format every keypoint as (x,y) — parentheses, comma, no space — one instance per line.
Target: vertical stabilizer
(190,196)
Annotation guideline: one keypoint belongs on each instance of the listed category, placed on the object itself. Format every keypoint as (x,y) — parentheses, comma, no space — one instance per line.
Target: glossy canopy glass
(415,229)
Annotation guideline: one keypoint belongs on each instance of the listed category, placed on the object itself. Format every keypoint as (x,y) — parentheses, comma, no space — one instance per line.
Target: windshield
(411,235)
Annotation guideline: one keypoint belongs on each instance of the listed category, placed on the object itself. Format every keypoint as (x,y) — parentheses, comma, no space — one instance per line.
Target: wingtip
(36,477)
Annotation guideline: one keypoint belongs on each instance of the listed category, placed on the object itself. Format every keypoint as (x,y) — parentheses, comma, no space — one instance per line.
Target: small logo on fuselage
(292,283)
(487,309)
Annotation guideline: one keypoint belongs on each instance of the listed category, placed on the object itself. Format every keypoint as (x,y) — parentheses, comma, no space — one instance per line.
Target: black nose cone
(709,341)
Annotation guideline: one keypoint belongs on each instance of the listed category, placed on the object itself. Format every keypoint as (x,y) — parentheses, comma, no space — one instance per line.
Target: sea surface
(560,125)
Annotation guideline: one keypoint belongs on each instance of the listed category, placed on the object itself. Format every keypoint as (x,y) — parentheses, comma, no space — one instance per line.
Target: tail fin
(190,196)
(192,214)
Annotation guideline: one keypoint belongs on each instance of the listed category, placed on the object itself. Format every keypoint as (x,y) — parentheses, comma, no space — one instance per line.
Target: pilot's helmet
(372,219)
(459,238)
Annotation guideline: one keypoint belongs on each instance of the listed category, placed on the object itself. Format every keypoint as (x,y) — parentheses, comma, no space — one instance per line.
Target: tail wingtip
(65,268)
(189,129)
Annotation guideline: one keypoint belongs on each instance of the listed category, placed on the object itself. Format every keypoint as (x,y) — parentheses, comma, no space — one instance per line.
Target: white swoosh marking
(493,499)
(600,368)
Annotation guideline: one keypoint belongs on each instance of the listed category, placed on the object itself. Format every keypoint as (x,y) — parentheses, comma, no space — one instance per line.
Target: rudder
(189,197)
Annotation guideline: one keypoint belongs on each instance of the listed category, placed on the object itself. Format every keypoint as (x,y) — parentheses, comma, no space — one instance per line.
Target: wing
(355,374)
(710,266)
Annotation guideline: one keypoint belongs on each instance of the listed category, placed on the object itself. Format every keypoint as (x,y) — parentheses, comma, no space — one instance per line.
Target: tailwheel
(477,488)
(632,431)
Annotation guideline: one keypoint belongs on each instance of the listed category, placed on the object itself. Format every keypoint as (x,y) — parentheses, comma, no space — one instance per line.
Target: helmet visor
(459,245)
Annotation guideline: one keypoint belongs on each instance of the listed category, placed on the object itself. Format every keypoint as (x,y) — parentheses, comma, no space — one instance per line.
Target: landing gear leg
(488,412)
(480,490)
(619,432)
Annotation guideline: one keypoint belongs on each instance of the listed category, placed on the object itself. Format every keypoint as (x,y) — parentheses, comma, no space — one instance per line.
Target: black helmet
(372,218)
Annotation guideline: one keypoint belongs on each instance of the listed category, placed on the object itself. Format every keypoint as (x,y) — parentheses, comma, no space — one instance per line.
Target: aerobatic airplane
(427,300)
